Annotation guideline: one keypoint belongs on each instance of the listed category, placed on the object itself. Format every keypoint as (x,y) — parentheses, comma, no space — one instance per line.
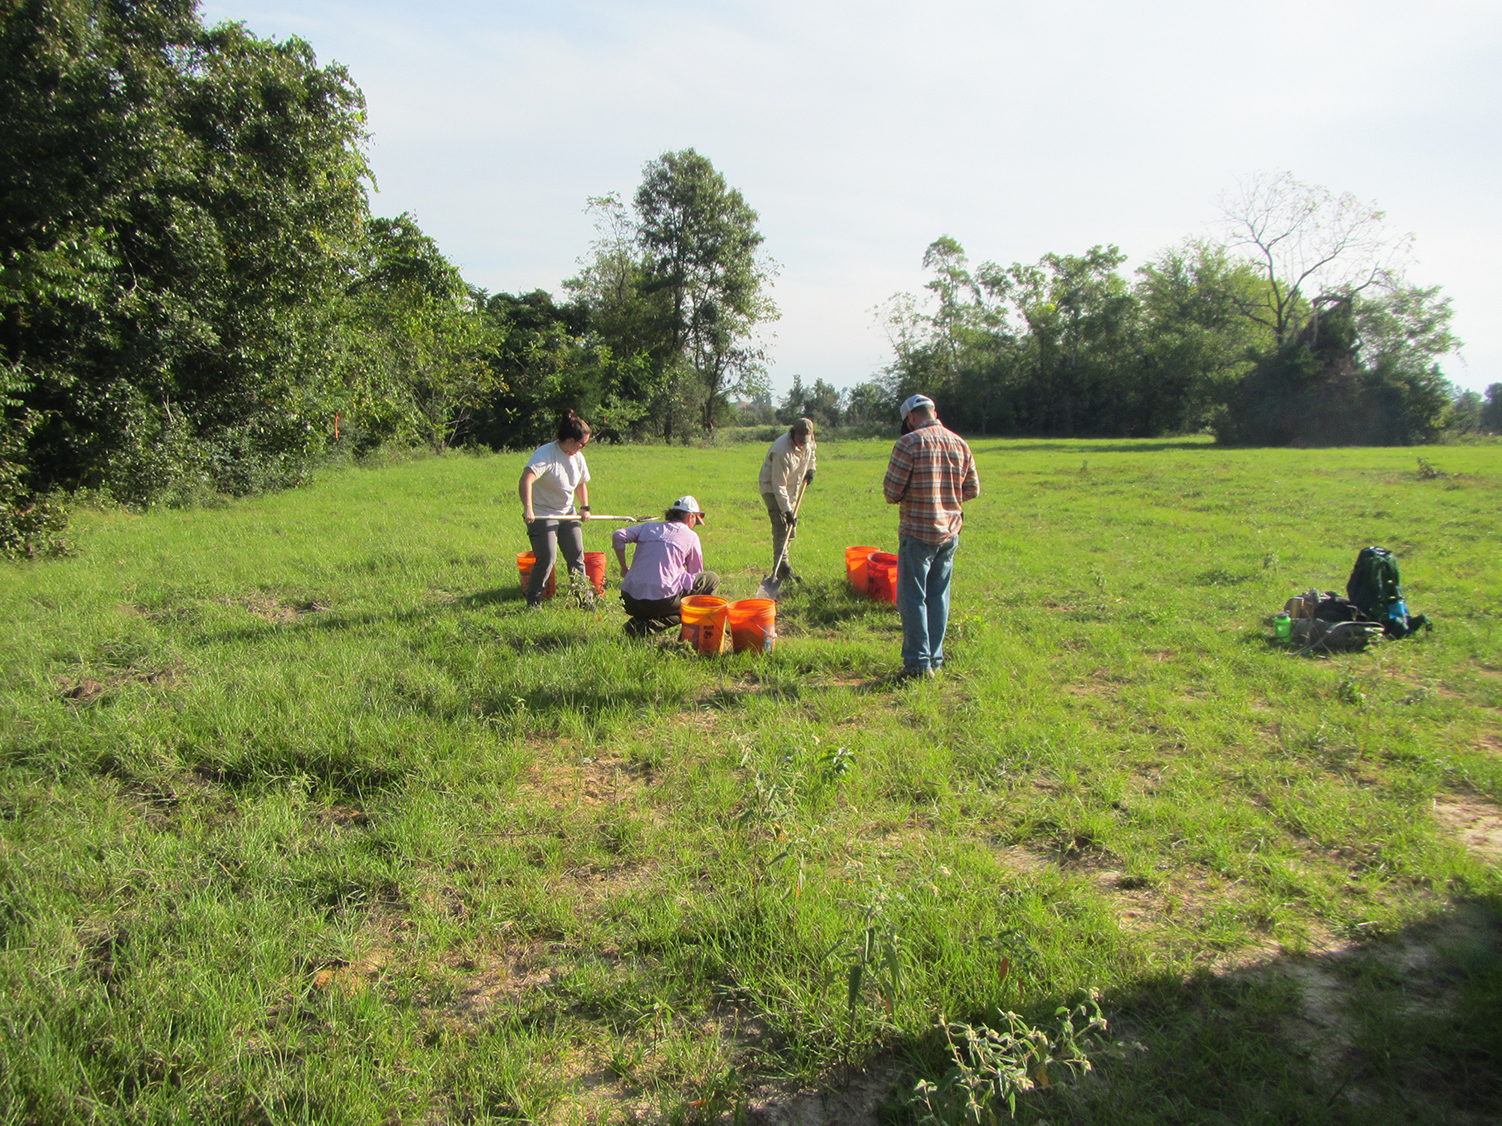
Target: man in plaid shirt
(931,474)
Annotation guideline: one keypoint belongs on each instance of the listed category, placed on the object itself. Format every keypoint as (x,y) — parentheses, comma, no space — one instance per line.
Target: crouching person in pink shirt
(667,565)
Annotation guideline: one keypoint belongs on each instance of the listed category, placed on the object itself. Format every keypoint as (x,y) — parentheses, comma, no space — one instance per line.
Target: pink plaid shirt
(931,474)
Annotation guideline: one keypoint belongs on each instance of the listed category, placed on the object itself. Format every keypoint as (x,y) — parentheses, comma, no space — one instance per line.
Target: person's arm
(524,490)
(618,540)
(899,473)
(971,488)
(581,499)
(784,469)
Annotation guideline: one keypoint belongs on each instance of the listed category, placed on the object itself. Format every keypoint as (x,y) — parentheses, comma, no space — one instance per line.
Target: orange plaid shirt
(931,474)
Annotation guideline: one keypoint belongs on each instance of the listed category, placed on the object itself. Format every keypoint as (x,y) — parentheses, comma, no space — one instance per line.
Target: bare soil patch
(1474,821)
(853,1102)
(494,977)
(270,608)
(86,690)
(595,782)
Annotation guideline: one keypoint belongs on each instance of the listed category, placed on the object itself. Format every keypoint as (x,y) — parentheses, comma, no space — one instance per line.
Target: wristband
(584,508)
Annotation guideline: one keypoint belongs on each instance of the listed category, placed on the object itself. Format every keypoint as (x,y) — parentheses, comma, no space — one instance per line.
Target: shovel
(771,586)
(598,516)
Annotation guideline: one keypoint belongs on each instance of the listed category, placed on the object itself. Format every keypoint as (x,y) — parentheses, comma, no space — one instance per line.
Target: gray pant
(780,530)
(548,538)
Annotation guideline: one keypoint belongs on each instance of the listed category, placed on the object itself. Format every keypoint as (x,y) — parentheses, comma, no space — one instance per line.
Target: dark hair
(572,428)
(676,516)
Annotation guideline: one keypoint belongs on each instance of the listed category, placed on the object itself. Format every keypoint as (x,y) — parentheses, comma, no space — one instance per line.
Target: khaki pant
(780,530)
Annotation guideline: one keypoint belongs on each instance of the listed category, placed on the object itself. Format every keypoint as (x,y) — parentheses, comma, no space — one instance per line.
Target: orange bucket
(524,563)
(753,625)
(704,618)
(594,567)
(881,576)
(855,566)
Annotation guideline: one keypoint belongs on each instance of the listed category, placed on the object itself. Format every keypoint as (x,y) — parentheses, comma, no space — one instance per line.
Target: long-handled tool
(597,516)
(771,586)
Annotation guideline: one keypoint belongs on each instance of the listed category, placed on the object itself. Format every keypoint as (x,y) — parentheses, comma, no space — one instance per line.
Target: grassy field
(304,819)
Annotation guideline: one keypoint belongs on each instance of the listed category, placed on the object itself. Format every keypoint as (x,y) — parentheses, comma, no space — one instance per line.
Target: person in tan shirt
(787,468)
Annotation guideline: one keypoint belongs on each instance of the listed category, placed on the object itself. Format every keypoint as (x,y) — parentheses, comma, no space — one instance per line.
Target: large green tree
(417,364)
(701,253)
(1195,341)
(179,211)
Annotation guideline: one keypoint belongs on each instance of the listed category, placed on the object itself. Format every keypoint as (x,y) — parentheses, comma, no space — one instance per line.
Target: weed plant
(303,818)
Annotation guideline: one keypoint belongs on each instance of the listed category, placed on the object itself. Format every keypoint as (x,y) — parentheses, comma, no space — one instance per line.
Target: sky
(861,132)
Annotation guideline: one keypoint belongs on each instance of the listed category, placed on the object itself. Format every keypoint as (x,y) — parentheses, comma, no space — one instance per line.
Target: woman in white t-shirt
(554,479)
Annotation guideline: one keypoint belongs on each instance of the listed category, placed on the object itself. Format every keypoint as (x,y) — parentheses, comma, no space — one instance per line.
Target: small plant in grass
(833,765)
(992,1066)
(874,955)
(582,590)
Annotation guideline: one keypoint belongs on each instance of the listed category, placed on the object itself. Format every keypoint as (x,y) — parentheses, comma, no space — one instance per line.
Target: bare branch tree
(1313,247)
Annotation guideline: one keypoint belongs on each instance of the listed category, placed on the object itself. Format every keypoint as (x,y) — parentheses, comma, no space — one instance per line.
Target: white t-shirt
(558,475)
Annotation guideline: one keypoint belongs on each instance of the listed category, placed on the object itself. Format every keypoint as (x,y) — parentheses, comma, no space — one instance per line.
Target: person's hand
(809,480)
(583,514)
(528,516)
(792,524)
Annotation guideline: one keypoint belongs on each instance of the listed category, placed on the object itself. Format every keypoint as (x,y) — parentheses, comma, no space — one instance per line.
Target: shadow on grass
(327,620)
(822,603)
(1399,1029)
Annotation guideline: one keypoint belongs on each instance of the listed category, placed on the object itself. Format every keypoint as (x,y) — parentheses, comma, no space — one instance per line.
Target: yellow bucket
(704,618)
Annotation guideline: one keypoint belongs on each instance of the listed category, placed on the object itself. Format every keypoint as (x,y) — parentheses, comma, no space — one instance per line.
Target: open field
(304,819)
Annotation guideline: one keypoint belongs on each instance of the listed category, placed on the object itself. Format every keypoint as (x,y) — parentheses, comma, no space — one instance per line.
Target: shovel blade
(770,588)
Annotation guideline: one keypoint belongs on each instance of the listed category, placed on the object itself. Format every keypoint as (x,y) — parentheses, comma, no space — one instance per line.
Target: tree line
(1298,328)
(196,299)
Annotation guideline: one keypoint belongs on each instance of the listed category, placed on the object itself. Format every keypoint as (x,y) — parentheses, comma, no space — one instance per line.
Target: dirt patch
(82,691)
(343,815)
(1475,822)
(1021,861)
(592,782)
(86,690)
(351,977)
(493,978)
(1329,986)
(270,608)
(853,1103)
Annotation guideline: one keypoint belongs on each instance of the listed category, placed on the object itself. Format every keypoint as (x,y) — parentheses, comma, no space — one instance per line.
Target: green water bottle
(1282,626)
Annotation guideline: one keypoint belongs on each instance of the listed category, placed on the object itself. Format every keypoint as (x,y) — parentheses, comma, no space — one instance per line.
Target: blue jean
(923,571)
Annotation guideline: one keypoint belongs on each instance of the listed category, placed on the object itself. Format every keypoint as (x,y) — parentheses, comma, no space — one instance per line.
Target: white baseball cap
(914,403)
(687,504)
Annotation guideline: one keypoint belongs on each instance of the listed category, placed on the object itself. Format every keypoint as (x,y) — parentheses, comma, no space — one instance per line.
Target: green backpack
(1377,590)
(1374,584)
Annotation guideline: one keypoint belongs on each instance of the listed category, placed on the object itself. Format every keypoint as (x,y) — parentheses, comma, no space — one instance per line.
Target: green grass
(304,819)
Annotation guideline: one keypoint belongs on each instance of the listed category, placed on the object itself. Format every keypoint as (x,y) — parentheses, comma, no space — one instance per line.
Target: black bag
(1333,608)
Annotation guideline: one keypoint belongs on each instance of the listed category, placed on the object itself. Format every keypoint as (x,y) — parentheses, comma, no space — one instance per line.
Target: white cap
(686,504)
(914,403)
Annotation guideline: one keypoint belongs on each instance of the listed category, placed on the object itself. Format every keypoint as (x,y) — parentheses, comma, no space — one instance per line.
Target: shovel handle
(595,516)
(797,504)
